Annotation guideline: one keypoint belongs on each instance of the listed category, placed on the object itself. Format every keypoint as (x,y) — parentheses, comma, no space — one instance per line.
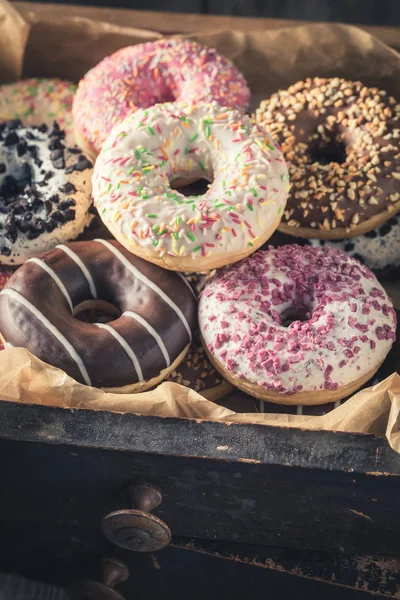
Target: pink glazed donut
(297,325)
(146,74)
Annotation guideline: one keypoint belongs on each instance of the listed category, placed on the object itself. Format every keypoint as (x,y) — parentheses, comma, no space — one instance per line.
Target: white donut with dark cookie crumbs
(379,249)
(44,191)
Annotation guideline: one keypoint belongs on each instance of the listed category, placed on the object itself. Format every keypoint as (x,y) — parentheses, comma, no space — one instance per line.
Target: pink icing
(349,324)
(146,74)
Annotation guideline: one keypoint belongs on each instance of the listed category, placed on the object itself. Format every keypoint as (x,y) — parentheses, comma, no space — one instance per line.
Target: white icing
(14,166)
(23,248)
(82,267)
(55,278)
(57,334)
(152,331)
(149,149)
(148,282)
(125,346)
(38,101)
(239,327)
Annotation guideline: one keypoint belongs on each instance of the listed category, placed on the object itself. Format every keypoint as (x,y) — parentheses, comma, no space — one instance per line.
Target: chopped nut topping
(364,175)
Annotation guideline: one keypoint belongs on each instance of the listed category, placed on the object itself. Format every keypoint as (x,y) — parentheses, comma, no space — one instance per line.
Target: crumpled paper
(26,379)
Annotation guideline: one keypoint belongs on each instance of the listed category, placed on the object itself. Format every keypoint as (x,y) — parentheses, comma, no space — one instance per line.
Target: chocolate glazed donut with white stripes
(156,315)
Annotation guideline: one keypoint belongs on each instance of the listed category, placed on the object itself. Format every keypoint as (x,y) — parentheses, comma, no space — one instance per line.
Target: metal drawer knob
(136,528)
(114,573)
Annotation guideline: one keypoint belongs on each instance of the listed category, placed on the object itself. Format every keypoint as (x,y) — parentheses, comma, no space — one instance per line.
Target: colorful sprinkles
(37,101)
(145,74)
(241,204)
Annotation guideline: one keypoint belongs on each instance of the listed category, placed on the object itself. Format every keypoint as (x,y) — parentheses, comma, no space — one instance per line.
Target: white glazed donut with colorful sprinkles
(297,325)
(147,151)
(37,101)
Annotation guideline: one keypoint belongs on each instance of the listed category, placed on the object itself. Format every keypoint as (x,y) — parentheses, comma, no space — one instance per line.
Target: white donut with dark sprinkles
(44,190)
(378,249)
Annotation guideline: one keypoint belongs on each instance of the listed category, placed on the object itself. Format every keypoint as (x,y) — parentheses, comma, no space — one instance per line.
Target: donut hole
(332,151)
(292,314)
(163,95)
(96,311)
(190,187)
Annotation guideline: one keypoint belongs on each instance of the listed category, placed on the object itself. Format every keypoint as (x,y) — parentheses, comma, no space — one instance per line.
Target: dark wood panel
(194,6)
(178,23)
(60,555)
(374,574)
(254,444)
(312,490)
(371,12)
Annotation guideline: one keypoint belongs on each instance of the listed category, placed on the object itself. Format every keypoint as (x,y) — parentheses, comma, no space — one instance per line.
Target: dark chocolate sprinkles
(30,199)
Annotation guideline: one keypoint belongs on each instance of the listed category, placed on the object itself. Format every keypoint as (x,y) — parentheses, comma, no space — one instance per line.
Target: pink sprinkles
(146,74)
(345,321)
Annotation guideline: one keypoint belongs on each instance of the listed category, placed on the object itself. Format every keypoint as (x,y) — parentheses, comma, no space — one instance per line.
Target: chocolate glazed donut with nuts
(341,140)
(155,315)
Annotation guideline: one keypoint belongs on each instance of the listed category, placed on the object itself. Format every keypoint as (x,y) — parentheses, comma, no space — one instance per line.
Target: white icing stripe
(337,403)
(299,409)
(82,267)
(153,332)
(126,347)
(55,278)
(148,282)
(57,334)
(8,345)
(186,282)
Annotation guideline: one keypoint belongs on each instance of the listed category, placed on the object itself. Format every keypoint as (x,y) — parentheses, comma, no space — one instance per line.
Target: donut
(378,249)
(296,324)
(130,353)
(146,74)
(44,191)
(38,101)
(198,373)
(145,153)
(341,140)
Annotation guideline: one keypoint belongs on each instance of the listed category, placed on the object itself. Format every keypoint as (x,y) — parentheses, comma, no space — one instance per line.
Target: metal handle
(136,528)
(114,573)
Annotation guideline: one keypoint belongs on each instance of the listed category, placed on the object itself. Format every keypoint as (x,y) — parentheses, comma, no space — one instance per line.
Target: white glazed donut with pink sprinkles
(297,325)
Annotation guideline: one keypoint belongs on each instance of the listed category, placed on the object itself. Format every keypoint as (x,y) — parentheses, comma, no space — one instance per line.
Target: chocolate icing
(106,361)
(355,131)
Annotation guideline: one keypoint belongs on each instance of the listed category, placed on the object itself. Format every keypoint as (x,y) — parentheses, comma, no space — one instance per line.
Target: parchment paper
(67,48)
